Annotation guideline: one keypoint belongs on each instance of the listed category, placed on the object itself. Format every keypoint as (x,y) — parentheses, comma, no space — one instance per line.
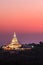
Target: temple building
(14,45)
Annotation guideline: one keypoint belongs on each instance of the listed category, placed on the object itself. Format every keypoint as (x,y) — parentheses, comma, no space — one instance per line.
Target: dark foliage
(26,57)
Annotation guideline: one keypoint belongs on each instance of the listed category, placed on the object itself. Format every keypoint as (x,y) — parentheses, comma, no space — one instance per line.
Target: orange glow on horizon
(26,16)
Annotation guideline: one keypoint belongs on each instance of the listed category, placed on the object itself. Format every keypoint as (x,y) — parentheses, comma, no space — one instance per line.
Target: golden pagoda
(13,45)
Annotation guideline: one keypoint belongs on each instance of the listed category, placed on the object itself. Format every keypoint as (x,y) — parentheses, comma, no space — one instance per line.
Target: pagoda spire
(14,34)
(14,39)
(14,44)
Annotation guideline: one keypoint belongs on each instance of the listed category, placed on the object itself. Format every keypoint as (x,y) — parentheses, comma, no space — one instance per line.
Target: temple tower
(14,44)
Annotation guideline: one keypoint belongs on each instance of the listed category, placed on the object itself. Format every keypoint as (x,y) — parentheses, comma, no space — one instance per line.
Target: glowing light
(32,46)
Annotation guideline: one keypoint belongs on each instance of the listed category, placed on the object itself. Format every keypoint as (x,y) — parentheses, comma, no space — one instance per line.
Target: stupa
(14,44)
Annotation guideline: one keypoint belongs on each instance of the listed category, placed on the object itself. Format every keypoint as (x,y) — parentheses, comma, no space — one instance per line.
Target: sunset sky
(21,16)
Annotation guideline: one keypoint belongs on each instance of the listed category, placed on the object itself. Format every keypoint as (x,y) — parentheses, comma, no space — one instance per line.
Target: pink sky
(21,16)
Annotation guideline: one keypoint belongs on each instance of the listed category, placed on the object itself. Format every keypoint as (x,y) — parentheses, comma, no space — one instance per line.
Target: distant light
(32,46)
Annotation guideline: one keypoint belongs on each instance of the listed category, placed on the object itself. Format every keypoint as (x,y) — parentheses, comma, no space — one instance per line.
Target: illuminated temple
(13,45)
